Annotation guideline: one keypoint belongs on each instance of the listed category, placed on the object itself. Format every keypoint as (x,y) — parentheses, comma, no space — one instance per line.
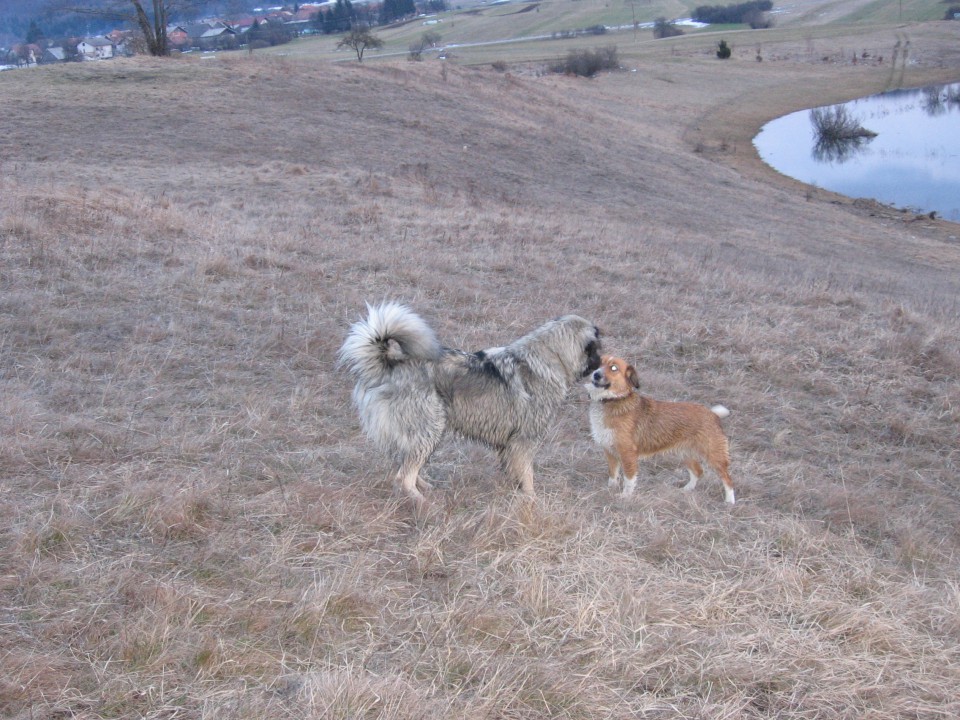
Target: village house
(95,48)
(178,37)
(123,41)
(54,55)
(117,37)
(213,35)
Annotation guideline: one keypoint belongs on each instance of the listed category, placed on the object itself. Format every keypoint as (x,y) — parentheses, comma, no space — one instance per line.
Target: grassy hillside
(514,30)
(192,525)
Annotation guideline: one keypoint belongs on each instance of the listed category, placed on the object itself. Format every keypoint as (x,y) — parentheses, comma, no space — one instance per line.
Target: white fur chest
(602,435)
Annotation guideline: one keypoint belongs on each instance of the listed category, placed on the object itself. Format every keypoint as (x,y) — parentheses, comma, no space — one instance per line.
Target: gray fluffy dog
(410,388)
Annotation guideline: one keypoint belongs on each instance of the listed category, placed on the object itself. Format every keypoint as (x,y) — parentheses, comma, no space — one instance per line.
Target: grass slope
(508,32)
(192,526)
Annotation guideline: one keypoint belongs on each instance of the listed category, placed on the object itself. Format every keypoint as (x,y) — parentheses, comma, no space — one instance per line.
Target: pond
(912,162)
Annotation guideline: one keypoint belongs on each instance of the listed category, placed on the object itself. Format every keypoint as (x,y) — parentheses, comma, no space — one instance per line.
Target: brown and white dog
(630,426)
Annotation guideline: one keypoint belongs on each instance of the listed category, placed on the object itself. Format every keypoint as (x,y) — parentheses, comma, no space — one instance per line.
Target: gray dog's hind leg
(517,460)
(409,477)
(417,441)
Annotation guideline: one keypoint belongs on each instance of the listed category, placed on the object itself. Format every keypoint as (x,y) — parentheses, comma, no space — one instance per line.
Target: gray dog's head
(591,352)
(573,340)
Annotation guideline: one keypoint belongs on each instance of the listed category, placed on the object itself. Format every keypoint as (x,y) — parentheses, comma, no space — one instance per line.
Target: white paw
(414,495)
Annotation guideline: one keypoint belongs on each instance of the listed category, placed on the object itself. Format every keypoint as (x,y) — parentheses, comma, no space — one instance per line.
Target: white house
(95,48)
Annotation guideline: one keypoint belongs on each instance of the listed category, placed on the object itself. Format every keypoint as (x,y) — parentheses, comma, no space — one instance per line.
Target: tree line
(344,15)
(748,13)
(18,27)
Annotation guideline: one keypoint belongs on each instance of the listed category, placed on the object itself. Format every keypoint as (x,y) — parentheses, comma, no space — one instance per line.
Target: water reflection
(837,150)
(939,99)
(839,134)
(913,162)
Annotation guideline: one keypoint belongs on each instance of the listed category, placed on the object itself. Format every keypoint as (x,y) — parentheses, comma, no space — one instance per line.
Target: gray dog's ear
(632,378)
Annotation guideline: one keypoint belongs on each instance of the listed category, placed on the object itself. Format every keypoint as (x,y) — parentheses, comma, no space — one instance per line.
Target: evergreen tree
(34,34)
(387,11)
(395,9)
(339,18)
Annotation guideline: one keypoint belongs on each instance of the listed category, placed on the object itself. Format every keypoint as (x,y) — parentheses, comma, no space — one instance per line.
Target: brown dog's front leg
(613,470)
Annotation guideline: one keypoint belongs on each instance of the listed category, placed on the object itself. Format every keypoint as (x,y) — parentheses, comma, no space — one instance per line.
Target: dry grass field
(192,526)
(476,31)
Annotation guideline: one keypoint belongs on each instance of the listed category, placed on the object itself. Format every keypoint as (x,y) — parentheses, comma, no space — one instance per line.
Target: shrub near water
(662,28)
(836,123)
(838,133)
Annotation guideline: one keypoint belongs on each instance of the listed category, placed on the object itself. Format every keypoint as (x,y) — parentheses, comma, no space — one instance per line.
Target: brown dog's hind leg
(696,472)
(728,494)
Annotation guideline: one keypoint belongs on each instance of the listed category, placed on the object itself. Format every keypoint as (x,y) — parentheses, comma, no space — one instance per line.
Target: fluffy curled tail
(720,411)
(390,335)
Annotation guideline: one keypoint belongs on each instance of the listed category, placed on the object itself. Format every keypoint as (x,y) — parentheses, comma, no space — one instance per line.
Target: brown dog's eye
(614,368)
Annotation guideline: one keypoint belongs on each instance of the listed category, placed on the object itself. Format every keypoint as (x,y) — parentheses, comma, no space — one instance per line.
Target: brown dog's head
(615,378)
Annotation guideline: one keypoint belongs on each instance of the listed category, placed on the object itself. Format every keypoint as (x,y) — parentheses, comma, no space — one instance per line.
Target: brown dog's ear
(632,378)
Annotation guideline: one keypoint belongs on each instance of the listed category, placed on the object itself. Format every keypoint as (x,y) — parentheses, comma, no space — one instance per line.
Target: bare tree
(428,39)
(150,17)
(27,54)
(359,39)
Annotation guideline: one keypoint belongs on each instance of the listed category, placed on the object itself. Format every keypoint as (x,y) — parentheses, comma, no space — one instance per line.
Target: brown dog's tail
(720,411)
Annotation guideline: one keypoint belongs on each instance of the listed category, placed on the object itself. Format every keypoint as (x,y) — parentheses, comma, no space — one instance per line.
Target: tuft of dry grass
(192,525)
